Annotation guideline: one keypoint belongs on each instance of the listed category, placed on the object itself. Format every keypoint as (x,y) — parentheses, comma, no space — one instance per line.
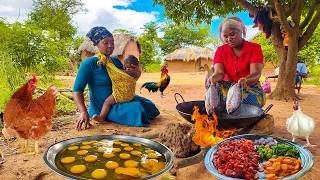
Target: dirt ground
(190,86)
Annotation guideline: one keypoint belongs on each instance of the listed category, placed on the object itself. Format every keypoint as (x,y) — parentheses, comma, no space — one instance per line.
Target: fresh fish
(233,98)
(212,99)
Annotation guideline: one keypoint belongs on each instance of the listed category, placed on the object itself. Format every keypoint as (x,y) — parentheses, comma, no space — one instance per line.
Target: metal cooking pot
(50,155)
(246,115)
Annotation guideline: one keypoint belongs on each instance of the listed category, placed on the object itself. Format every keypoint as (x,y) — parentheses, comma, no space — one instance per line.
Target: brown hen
(29,118)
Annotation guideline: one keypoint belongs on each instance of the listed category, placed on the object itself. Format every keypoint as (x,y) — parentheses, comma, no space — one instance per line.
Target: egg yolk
(108,155)
(152,156)
(85,147)
(101,150)
(68,160)
(134,172)
(90,158)
(150,164)
(99,174)
(111,165)
(136,144)
(115,150)
(128,148)
(86,142)
(72,148)
(124,144)
(117,142)
(149,151)
(82,152)
(136,153)
(78,169)
(124,156)
(131,163)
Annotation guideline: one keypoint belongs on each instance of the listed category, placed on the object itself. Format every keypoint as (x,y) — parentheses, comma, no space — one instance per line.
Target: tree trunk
(285,89)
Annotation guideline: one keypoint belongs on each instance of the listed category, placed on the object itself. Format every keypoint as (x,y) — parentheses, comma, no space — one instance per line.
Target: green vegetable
(285,150)
(266,152)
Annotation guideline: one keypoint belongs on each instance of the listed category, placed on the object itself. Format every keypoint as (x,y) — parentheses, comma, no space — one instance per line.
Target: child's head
(130,60)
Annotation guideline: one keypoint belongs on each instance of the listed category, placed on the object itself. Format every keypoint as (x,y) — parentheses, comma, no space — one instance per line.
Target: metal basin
(50,155)
(246,115)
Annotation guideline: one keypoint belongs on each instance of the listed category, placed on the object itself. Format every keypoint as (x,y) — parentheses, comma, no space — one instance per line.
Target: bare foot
(97,118)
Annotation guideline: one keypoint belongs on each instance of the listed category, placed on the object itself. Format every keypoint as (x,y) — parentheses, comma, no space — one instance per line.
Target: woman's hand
(243,82)
(215,78)
(84,121)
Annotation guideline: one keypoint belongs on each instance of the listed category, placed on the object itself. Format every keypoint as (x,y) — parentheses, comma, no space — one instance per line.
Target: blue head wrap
(96,34)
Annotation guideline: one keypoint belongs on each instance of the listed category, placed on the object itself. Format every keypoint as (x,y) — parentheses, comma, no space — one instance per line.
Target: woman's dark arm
(84,119)
(254,76)
(218,73)
(81,81)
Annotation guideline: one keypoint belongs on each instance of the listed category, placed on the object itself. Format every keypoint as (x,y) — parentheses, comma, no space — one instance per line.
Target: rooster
(29,118)
(162,85)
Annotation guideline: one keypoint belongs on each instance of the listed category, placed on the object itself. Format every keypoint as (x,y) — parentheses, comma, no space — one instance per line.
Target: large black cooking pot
(246,115)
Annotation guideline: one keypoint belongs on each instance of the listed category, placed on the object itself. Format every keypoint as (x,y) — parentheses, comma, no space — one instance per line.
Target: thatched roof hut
(87,45)
(124,45)
(189,59)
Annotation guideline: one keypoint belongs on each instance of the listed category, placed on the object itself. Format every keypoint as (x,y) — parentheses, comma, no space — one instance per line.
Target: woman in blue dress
(138,112)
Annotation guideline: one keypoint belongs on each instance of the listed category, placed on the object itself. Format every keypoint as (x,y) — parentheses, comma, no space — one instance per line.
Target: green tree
(33,49)
(311,52)
(268,51)
(55,15)
(294,10)
(148,41)
(182,35)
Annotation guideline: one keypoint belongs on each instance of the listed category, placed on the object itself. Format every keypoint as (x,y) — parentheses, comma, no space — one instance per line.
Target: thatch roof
(120,42)
(190,54)
(87,45)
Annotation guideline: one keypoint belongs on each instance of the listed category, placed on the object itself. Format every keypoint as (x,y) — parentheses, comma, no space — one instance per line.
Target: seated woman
(238,61)
(138,112)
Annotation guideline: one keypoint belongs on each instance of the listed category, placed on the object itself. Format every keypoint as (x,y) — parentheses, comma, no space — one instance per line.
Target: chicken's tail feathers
(151,86)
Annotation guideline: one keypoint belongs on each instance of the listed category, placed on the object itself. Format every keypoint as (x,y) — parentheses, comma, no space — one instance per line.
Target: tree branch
(297,12)
(309,15)
(311,28)
(281,15)
(246,5)
(291,9)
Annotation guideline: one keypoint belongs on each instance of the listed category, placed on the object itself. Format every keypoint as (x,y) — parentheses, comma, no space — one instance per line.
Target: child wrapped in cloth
(123,83)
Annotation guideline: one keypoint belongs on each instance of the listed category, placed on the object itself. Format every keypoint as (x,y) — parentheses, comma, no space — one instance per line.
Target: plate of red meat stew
(251,156)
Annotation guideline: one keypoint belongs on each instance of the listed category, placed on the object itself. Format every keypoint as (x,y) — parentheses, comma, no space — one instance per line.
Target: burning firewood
(207,133)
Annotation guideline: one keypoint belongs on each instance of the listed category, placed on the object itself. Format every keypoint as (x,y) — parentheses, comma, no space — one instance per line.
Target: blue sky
(148,6)
(113,14)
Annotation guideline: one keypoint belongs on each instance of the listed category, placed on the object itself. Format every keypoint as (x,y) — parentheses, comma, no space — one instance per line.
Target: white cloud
(105,14)
(100,13)
(15,10)
(251,32)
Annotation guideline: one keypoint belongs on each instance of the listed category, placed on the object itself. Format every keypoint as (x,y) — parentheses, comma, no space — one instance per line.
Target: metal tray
(305,156)
(53,150)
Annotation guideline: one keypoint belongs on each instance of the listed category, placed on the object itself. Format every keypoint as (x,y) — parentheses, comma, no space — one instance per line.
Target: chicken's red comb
(34,77)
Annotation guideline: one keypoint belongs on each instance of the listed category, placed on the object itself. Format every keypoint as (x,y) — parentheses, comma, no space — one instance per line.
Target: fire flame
(207,133)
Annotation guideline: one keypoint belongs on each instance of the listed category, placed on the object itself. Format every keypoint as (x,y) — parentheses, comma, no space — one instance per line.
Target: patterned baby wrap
(123,85)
